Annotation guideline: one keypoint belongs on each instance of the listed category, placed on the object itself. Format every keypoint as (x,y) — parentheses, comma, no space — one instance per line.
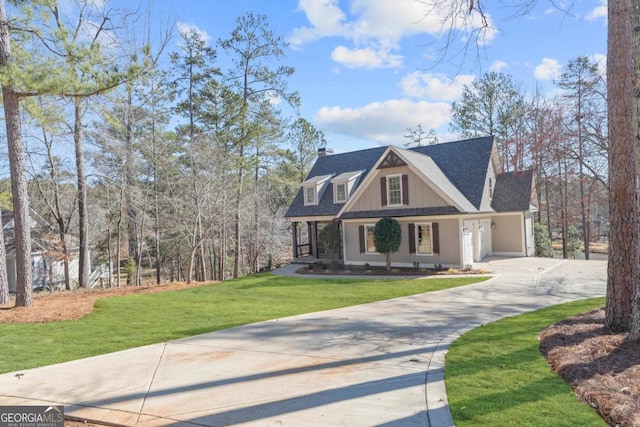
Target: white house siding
(420,195)
(45,272)
(507,235)
(449,244)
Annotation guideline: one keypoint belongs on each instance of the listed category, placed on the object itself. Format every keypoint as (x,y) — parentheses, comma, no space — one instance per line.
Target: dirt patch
(69,305)
(602,368)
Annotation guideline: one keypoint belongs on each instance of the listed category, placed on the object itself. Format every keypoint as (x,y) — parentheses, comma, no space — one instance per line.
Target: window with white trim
(369,243)
(310,194)
(340,192)
(424,239)
(394,190)
(490,189)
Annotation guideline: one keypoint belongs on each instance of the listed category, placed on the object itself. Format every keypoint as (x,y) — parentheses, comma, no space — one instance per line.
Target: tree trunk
(60,223)
(255,261)
(201,274)
(563,212)
(139,241)
(5,298)
(548,208)
(622,277)
(119,236)
(190,263)
(635,25)
(84,269)
(236,224)
(156,192)
(583,205)
(129,179)
(109,253)
(222,256)
(24,286)
(157,228)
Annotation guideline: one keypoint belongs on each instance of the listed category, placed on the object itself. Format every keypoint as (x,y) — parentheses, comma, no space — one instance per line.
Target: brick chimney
(323,152)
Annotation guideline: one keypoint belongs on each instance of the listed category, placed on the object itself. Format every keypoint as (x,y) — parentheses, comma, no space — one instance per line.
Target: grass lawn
(130,321)
(496,376)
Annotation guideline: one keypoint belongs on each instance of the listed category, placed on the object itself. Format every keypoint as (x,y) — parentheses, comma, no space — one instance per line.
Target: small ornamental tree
(387,236)
(330,238)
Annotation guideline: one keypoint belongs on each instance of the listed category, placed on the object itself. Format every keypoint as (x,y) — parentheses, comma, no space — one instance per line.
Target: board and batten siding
(420,194)
(449,255)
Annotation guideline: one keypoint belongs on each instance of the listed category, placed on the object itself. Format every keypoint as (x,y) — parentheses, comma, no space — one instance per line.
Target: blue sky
(367,70)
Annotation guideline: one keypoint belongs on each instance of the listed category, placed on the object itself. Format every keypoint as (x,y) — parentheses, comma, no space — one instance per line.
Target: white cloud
(326,20)
(184,28)
(498,66)
(385,122)
(365,58)
(599,11)
(548,69)
(435,87)
(376,27)
(274,98)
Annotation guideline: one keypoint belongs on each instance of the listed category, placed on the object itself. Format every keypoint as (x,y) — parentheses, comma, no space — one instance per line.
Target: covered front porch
(306,247)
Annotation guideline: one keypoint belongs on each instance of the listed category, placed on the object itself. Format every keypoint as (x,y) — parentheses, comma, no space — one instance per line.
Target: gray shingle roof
(432,172)
(334,164)
(464,163)
(513,191)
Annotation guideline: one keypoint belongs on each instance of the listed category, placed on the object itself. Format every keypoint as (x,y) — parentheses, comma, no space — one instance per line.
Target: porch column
(314,239)
(294,233)
(340,252)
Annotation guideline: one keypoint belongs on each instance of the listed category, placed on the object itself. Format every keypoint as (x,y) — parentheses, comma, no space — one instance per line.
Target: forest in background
(190,166)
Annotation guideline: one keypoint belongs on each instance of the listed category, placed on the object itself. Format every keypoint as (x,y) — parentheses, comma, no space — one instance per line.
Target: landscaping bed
(69,305)
(602,368)
(334,268)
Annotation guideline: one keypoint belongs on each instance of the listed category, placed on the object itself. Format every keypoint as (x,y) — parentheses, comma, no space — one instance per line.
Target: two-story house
(455,204)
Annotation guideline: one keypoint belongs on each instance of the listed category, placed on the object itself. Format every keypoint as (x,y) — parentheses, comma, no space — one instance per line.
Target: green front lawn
(496,376)
(124,322)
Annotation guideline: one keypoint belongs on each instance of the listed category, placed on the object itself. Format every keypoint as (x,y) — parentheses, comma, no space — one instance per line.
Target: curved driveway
(378,364)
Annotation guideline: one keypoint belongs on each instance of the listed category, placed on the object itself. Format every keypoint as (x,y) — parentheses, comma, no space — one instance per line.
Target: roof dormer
(313,188)
(343,185)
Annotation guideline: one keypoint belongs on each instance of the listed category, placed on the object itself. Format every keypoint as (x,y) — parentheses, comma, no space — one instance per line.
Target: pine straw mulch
(69,305)
(602,368)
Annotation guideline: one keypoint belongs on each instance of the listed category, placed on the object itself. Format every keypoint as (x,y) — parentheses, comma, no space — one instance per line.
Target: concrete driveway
(378,364)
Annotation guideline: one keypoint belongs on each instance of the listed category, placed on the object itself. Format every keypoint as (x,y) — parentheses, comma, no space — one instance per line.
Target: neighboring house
(47,265)
(453,201)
